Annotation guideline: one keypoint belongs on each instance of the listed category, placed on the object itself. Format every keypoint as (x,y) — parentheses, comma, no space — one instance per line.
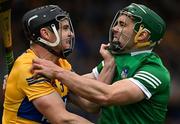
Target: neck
(43,53)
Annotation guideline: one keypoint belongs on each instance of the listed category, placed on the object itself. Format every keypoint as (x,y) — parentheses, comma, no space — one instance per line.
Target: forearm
(107,73)
(73,119)
(90,89)
(89,75)
(105,76)
(84,103)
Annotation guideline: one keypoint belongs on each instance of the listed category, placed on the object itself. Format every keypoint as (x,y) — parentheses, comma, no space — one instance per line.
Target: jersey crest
(124,72)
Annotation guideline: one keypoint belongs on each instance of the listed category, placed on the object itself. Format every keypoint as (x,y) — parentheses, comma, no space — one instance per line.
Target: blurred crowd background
(91,20)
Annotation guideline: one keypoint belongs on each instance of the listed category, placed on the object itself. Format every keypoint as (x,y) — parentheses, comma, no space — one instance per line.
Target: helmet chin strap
(49,43)
(115,46)
(48,46)
(62,54)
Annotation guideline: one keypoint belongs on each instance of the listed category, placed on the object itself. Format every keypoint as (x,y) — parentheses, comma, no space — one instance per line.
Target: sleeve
(34,87)
(151,79)
(96,71)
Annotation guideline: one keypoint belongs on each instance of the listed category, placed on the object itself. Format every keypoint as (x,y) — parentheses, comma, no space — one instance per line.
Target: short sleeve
(151,79)
(33,87)
(96,71)
(42,87)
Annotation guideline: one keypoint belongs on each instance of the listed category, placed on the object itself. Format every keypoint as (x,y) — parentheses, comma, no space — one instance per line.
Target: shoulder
(65,64)
(155,66)
(25,59)
(22,65)
(152,77)
(153,74)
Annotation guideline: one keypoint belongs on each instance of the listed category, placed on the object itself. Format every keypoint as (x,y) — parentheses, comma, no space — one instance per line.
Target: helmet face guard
(47,16)
(64,52)
(116,46)
(67,51)
(142,17)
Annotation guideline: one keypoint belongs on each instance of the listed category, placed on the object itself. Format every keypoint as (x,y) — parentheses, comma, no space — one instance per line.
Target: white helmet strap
(49,43)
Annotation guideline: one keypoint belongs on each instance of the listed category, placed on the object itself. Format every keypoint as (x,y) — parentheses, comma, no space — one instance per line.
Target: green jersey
(146,70)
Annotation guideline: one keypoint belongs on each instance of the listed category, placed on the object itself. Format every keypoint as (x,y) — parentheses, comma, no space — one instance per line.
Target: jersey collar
(140,52)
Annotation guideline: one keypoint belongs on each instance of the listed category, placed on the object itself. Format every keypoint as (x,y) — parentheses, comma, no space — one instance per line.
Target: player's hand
(4,84)
(45,67)
(108,58)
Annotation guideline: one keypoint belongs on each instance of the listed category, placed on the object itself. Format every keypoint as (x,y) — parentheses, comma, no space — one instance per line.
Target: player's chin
(67,46)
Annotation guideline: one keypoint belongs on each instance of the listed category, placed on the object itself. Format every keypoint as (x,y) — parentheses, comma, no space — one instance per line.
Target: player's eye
(66,27)
(122,24)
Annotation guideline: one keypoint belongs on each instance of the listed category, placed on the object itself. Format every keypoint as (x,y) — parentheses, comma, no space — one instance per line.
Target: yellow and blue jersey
(22,88)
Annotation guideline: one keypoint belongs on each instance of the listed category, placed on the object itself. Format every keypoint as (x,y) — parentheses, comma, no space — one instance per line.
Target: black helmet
(46,16)
(40,17)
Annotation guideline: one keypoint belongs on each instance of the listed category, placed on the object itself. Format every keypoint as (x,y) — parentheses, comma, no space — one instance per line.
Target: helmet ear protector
(143,18)
(45,16)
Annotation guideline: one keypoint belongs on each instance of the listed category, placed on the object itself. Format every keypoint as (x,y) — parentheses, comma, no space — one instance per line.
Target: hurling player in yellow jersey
(32,100)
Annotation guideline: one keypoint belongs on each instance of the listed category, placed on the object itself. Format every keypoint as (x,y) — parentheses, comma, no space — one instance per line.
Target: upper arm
(42,94)
(145,83)
(51,106)
(124,92)
(45,98)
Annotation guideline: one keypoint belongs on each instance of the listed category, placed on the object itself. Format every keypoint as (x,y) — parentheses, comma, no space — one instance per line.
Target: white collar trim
(140,52)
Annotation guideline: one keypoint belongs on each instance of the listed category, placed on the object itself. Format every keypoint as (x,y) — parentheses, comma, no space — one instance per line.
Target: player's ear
(143,36)
(44,33)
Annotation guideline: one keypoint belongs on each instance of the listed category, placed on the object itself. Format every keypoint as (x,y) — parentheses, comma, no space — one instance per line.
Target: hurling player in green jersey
(131,85)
